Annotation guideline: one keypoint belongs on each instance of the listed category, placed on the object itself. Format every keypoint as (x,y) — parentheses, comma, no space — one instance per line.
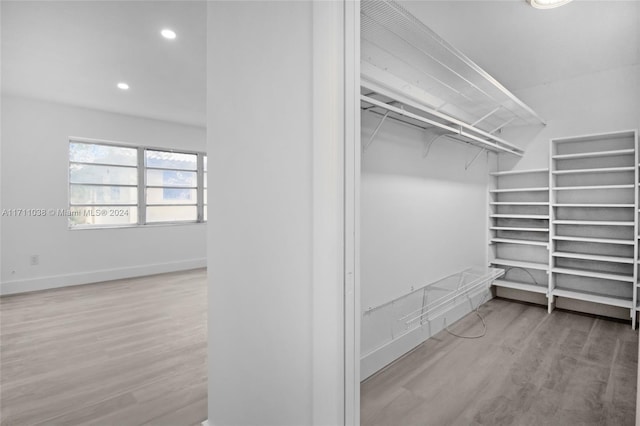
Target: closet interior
(563,233)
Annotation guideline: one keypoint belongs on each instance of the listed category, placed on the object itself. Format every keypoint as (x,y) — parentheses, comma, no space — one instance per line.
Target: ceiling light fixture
(123,86)
(547,4)
(168,34)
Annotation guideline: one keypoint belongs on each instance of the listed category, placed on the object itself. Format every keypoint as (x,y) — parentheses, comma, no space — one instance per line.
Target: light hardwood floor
(531,368)
(127,352)
(133,352)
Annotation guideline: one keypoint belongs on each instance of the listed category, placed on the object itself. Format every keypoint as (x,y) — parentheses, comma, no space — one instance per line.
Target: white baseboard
(385,355)
(206,423)
(57,281)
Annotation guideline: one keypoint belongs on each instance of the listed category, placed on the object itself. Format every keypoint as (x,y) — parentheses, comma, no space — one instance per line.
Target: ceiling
(523,47)
(77,51)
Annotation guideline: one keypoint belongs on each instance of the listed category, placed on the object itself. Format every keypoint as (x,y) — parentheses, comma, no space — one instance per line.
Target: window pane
(104,154)
(205,213)
(103,216)
(110,175)
(205,163)
(205,179)
(171,178)
(171,213)
(171,196)
(205,197)
(82,194)
(171,160)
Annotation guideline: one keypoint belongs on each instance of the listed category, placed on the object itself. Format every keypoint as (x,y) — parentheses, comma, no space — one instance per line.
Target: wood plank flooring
(531,368)
(133,352)
(127,352)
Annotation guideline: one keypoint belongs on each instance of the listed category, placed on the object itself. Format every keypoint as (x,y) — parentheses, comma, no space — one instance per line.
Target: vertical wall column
(276,142)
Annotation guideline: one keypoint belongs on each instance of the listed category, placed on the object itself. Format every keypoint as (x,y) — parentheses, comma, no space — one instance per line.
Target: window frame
(141,184)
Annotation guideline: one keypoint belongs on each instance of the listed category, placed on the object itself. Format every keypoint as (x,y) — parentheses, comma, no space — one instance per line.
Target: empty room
(341,212)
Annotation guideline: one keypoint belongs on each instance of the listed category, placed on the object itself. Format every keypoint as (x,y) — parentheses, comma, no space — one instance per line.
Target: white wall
(422,218)
(272,176)
(35,156)
(592,103)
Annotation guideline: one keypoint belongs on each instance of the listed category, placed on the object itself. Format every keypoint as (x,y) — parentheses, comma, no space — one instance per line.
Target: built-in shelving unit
(594,220)
(519,228)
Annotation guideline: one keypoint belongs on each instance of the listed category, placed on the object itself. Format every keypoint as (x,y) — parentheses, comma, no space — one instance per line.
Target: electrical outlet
(34,260)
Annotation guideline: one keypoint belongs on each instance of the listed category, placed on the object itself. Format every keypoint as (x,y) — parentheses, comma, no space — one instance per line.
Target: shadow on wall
(402,150)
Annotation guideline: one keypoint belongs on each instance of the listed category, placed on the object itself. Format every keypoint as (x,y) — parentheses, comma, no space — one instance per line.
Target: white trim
(352,153)
(206,423)
(327,336)
(90,277)
(384,355)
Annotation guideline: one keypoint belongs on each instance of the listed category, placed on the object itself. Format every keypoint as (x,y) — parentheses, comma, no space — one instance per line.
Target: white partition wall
(275,243)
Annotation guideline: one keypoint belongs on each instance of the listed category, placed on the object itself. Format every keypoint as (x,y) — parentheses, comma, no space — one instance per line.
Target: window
(172,186)
(113,185)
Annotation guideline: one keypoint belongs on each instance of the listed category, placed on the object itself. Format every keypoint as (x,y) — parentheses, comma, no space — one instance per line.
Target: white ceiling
(524,47)
(76,51)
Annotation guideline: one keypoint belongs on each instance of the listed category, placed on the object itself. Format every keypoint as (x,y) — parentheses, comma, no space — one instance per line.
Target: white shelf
(523,242)
(513,228)
(593,222)
(594,240)
(521,286)
(520,203)
(598,258)
(596,170)
(592,297)
(592,274)
(594,154)
(520,264)
(519,172)
(520,216)
(595,205)
(539,189)
(580,188)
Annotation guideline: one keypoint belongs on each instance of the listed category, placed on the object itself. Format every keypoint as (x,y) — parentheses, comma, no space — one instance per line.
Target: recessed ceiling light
(123,86)
(547,4)
(168,34)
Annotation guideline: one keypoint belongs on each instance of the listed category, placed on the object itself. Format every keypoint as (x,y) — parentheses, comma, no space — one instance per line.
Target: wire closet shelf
(410,74)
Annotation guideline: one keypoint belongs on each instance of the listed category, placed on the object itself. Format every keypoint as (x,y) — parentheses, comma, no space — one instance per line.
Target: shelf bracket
(466,166)
(429,143)
(375,131)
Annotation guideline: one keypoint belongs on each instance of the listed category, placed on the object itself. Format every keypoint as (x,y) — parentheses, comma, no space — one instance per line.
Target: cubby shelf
(592,274)
(520,264)
(594,240)
(599,258)
(597,206)
(593,222)
(521,286)
(519,229)
(589,187)
(594,170)
(612,153)
(539,189)
(520,216)
(519,172)
(523,242)
(519,203)
(593,297)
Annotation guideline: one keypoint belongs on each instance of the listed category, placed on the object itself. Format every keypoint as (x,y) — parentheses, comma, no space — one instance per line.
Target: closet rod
(437,124)
(398,96)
